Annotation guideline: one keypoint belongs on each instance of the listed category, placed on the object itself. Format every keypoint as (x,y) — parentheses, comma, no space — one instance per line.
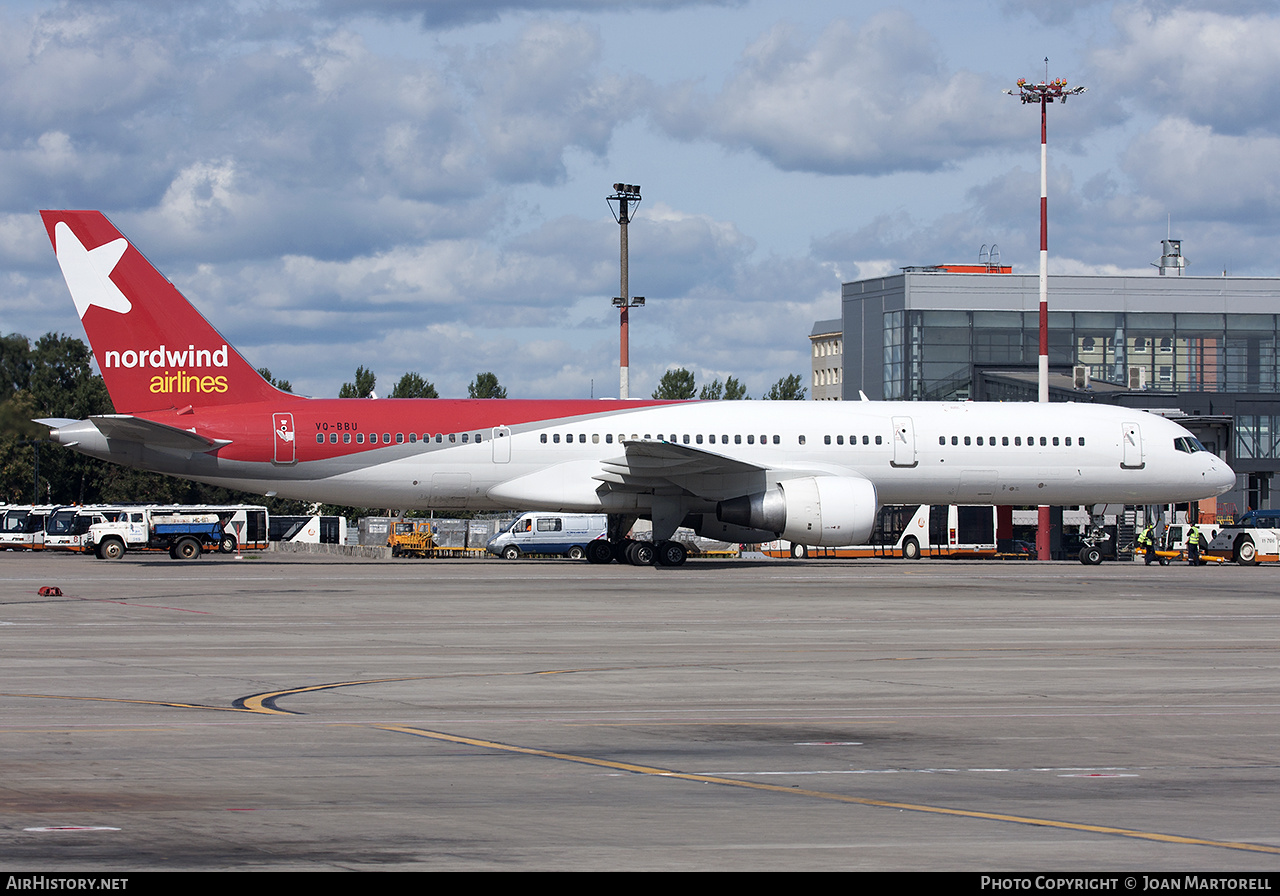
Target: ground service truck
(186,536)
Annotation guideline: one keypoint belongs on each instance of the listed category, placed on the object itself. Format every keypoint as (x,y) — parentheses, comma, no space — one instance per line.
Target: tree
(730,390)
(62,383)
(362,387)
(51,378)
(676,384)
(735,391)
(15,363)
(412,385)
(787,389)
(282,385)
(486,386)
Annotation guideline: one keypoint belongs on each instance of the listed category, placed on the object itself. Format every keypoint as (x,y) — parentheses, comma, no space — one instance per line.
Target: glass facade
(930,355)
(894,345)
(1257,437)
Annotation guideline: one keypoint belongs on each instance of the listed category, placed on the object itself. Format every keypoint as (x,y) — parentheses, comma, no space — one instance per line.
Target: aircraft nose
(1220,477)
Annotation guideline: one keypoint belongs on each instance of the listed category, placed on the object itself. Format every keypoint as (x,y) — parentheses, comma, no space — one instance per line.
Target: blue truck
(186,536)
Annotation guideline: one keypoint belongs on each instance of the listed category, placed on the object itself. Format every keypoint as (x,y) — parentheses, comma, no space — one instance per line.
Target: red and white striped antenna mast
(1044,93)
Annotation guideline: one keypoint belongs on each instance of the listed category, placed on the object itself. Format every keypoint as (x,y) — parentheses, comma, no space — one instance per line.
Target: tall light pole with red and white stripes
(628,197)
(1044,93)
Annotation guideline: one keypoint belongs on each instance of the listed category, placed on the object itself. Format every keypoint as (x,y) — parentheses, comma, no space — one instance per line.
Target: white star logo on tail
(88,271)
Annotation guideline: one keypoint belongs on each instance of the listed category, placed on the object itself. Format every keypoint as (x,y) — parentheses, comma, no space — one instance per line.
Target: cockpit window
(1188,444)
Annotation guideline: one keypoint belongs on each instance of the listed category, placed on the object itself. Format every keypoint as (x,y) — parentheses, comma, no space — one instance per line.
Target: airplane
(188,404)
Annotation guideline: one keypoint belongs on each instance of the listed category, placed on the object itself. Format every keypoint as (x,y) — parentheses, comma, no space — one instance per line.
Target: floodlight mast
(627,196)
(1044,93)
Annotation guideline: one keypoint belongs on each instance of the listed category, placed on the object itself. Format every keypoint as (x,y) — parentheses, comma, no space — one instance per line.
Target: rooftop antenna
(1171,259)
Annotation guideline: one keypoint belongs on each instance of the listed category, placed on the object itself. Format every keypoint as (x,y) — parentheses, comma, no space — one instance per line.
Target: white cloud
(1202,64)
(1207,174)
(874,99)
(452,13)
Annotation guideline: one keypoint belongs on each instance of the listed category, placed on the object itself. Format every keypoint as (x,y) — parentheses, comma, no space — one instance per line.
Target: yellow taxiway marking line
(837,797)
(262,703)
(172,703)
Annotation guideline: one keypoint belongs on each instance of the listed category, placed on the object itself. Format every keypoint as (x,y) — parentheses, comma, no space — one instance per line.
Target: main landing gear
(637,553)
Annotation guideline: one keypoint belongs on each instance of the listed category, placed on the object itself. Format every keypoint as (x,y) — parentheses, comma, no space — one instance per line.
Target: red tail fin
(154,349)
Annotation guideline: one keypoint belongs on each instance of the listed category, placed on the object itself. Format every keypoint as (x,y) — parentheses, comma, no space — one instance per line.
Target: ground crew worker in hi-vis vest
(1147,540)
(1193,546)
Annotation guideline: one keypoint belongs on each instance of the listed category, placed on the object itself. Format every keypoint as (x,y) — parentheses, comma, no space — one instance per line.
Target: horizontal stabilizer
(56,422)
(153,435)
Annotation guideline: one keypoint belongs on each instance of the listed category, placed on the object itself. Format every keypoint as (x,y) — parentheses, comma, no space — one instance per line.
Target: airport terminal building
(1200,348)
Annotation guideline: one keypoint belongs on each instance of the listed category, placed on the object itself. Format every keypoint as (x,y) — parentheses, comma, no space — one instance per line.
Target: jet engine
(814,510)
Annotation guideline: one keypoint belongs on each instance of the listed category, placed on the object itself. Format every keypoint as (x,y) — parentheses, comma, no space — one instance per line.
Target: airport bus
(66,527)
(22,528)
(308,529)
(911,532)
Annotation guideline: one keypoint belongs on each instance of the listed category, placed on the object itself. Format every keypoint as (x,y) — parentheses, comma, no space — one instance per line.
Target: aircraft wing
(154,435)
(649,466)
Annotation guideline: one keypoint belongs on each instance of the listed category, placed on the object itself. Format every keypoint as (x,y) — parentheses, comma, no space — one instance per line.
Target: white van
(566,534)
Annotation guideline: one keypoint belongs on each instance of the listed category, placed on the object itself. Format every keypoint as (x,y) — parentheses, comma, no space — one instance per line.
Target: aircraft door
(1131,446)
(285,446)
(501,445)
(904,442)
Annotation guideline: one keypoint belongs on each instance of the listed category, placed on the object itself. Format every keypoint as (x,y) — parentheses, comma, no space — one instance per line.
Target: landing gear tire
(1091,556)
(511,552)
(599,552)
(641,553)
(671,553)
(799,551)
(1246,553)
(911,549)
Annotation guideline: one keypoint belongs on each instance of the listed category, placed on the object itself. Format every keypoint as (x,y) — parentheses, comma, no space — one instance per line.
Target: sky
(419,185)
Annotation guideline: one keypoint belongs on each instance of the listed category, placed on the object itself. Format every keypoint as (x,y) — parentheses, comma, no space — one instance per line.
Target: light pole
(1044,93)
(627,196)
